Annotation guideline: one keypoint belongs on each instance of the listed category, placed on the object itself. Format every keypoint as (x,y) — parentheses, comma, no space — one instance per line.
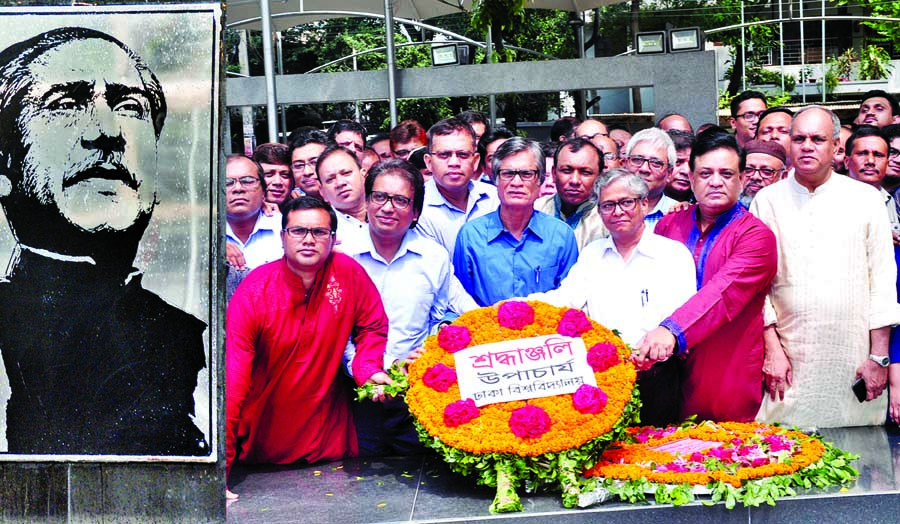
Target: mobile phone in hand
(859,389)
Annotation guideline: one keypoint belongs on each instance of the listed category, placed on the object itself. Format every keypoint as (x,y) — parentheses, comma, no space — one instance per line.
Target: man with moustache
(878,109)
(764,166)
(775,126)
(275,160)
(97,364)
(577,165)
(679,186)
(833,299)
(251,236)
(306,146)
(867,159)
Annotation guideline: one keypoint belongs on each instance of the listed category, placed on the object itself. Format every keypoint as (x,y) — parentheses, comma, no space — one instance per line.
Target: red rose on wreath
(453,338)
(460,412)
(573,323)
(515,314)
(439,377)
(602,356)
(589,399)
(529,422)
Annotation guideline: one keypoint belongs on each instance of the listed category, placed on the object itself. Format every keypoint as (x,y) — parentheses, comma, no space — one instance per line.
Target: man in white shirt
(341,180)
(630,282)
(454,195)
(252,238)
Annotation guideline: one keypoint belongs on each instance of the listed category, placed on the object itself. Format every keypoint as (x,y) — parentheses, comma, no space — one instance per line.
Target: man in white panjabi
(833,299)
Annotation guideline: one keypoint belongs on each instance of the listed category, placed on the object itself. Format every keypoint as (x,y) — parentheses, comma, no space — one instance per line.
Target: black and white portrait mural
(108,170)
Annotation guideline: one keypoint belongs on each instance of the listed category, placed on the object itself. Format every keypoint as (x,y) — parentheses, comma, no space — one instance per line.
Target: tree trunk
(737,72)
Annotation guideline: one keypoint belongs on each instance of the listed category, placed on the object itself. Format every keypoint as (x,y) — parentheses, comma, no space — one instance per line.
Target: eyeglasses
(750,116)
(637,161)
(462,155)
(381,198)
(301,166)
(525,174)
(765,172)
(402,153)
(318,233)
(610,156)
(592,137)
(626,205)
(244,181)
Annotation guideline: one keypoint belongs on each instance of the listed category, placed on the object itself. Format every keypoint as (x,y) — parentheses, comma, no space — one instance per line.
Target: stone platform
(423,489)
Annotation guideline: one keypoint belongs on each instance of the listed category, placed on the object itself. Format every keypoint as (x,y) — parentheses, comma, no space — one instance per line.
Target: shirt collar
(495,225)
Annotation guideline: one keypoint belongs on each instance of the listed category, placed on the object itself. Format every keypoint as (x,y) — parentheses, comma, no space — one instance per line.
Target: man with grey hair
(97,364)
(833,299)
(651,154)
(650,275)
(515,250)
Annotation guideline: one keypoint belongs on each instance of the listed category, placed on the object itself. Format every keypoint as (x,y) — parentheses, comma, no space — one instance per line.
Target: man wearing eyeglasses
(413,275)
(577,165)
(286,329)
(718,332)
(764,166)
(651,154)
(515,250)
(306,147)
(592,129)
(453,196)
(610,151)
(891,180)
(649,275)
(252,238)
(746,109)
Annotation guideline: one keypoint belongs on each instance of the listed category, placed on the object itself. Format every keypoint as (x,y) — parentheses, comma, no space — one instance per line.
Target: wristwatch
(882,361)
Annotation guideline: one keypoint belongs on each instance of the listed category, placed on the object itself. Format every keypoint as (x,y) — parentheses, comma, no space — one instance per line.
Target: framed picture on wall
(109,122)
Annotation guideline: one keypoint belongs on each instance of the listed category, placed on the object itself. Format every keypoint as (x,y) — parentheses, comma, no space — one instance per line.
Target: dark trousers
(660,390)
(385,428)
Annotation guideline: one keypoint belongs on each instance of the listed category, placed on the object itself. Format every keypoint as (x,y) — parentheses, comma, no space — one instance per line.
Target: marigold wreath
(541,441)
(732,461)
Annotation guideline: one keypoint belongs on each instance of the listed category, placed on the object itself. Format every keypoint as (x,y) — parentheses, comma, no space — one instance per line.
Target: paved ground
(422,489)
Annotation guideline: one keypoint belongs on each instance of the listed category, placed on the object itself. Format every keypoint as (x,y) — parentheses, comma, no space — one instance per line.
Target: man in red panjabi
(718,331)
(287,326)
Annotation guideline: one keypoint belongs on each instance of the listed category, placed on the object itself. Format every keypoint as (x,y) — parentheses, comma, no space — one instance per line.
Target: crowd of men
(752,271)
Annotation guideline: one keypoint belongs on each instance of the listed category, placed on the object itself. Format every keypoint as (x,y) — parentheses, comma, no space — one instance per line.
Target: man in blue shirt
(453,196)
(413,276)
(515,250)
